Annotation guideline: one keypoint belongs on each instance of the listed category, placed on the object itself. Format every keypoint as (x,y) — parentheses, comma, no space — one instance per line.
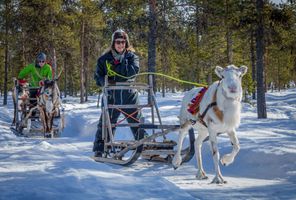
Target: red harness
(193,107)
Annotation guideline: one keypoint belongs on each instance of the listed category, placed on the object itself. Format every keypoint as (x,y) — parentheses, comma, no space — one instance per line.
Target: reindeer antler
(55,78)
(60,73)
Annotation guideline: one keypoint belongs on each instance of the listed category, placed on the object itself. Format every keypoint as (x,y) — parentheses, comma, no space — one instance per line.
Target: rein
(111,72)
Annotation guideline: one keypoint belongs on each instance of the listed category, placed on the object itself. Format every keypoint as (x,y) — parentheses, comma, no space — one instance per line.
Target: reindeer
(219,112)
(19,92)
(49,102)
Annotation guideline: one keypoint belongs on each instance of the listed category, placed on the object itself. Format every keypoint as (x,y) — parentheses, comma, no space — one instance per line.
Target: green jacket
(31,70)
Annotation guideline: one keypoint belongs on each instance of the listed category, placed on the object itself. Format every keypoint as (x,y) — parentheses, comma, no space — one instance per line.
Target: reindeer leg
(51,124)
(14,113)
(15,106)
(177,160)
(228,158)
(216,156)
(28,115)
(62,121)
(48,127)
(202,134)
(42,116)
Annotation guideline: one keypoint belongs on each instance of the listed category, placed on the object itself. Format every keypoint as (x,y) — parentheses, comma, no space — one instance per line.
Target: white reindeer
(219,112)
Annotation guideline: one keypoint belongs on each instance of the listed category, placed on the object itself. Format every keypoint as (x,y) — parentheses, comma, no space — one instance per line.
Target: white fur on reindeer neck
(229,91)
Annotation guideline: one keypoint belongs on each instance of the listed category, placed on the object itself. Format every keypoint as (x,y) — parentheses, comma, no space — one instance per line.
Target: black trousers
(129,98)
(33,94)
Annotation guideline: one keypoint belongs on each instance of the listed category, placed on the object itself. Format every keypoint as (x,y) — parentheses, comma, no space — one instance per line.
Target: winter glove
(110,69)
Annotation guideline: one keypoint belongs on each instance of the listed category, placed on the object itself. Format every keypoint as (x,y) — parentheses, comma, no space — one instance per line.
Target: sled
(155,147)
(27,121)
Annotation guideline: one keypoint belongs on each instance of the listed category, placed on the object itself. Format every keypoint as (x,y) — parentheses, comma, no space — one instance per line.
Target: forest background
(184,39)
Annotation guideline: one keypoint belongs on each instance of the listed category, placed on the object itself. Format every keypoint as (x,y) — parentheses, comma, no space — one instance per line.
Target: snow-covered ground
(62,168)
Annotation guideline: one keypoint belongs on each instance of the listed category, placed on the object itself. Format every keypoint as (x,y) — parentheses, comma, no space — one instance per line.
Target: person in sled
(122,59)
(36,72)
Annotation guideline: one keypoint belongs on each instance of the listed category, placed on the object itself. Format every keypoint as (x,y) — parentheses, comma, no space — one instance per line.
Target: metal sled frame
(24,118)
(148,147)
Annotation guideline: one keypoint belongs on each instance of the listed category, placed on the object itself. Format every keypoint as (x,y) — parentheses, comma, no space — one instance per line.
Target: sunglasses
(119,42)
(41,61)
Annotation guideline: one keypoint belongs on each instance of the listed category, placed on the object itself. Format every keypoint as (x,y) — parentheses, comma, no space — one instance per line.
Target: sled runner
(31,113)
(124,150)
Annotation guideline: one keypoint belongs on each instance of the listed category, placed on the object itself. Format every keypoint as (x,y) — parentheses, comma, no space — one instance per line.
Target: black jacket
(128,67)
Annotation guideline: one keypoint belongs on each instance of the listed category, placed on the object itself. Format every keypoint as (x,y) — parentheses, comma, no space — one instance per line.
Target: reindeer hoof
(226,160)
(177,160)
(48,135)
(201,175)
(218,180)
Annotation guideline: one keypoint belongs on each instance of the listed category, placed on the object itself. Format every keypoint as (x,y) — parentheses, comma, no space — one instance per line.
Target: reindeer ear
(219,70)
(243,69)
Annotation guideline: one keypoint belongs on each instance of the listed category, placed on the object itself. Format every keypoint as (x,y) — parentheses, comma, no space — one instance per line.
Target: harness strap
(201,116)
(206,110)
(216,110)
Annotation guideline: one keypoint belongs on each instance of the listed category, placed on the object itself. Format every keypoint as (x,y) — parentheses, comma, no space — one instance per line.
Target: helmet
(41,56)
(120,34)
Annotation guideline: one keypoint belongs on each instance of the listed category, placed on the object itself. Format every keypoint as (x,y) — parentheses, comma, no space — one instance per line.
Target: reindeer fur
(228,94)
(48,105)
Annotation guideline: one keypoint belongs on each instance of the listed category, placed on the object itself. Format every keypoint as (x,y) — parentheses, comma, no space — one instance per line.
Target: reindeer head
(23,92)
(231,80)
(46,94)
(48,89)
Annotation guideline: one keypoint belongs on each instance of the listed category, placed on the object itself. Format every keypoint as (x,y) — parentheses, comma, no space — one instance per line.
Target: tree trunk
(52,47)
(209,79)
(82,71)
(6,52)
(86,61)
(266,63)
(229,46)
(198,32)
(23,56)
(253,62)
(71,85)
(261,103)
(6,70)
(152,40)
(54,62)
(278,76)
(228,36)
(164,51)
(65,77)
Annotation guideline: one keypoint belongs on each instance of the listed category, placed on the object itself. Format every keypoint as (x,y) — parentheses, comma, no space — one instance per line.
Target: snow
(62,168)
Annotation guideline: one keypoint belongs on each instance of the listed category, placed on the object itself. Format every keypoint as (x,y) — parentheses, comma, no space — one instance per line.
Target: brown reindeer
(49,102)
(20,97)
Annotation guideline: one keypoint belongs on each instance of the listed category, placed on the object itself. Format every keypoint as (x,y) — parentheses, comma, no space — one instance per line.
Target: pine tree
(261,102)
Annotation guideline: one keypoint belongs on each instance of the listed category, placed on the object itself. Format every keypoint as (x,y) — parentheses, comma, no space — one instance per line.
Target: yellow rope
(110,72)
